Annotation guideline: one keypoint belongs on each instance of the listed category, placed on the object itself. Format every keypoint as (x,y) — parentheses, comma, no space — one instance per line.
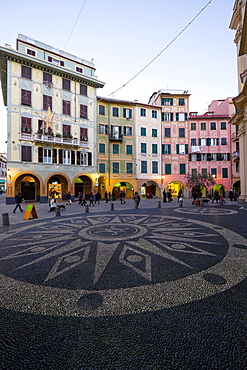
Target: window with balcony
(26,97)
(26,125)
(83,111)
(66,130)
(66,107)
(26,72)
(83,134)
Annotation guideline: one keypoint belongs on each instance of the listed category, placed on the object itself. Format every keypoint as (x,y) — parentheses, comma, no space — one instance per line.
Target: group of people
(167,196)
(93,199)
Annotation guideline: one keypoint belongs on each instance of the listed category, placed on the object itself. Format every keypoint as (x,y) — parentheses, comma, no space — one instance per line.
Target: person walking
(83,200)
(52,204)
(164,195)
(97,198)
(91,200)
(169,195)
(106,197)
(68,199)
(137,199)
(18,201)
(79,197)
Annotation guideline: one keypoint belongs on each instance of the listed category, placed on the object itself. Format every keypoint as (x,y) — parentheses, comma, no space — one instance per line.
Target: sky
(122,37)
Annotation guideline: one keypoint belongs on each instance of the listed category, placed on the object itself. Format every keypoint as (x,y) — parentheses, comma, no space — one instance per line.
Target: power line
(75,24)
(167,46)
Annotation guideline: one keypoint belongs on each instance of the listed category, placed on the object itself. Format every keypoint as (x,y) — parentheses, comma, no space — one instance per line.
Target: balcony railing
(235,154)
(234,136)
(54,139)
(116,136)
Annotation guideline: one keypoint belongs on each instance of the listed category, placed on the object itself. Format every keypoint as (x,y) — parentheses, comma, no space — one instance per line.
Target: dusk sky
(122,37)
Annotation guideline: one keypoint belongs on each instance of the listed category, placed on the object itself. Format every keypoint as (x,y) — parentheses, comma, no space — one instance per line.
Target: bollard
(86,208)
(58,211)
(180,203)
(5,217)
(112,206)
(159,203)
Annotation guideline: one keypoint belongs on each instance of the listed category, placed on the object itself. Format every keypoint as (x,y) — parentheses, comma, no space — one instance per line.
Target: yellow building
(51,101)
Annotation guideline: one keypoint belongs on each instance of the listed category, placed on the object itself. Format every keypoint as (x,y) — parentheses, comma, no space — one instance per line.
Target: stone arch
(126,186)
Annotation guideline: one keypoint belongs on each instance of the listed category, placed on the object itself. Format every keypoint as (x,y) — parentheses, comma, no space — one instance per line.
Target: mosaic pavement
(108,266)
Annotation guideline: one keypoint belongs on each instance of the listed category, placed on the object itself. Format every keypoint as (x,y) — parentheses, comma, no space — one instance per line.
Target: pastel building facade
(210,145)
(116,147)
(148,149)
(51,126)
(174,138)
(239,121)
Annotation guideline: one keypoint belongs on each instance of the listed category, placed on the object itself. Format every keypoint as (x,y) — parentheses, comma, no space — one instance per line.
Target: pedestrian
(164,195)
(235,195)
(169,195)
(106,197)
(122,197)
(83,200)
(91,200)
(80,197)
(216,196)
(231,195)
(68,199)
(97,198)
(137,199)
(18,201)
(52,204)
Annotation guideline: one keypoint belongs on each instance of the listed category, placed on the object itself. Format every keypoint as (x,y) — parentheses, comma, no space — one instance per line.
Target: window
(143,112)
(115,167)
(127,131)
(167,116)
(202,142)
(79,69)
(26,153)
(143,166)
(115,112)
(213,142)
(223,141)
(166,101)
(182,148)
(214,172)
(83,134)
(115,149)
(181,132)
(154,113)
(143,148)
(85,158)
(166,148)
(66,130)
(31,52)
(66,107)
(154,132)
(225,173)
(83,111)
(167,132)
(47,102)
(143,131)
(102,110)
(47,78)
(154,167)
(181,101)
(223,125)
(212,125)
(168,169)
(101,148)
(83,89)
(66,84)
(101,167)
(55,61)
(103,129)
(129,167)
(237,166)
(204,172)
(181,116)
(154,148)
(127,113)
(26,97)
(203,125)
(193,142)
(129,149)
(26,72)
(66,157)
(47,156)
(26,125)
(193,125)
(182,168)
(194,172)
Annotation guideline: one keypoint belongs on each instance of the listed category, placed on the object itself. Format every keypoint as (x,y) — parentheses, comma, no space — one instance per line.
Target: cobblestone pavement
(147,288)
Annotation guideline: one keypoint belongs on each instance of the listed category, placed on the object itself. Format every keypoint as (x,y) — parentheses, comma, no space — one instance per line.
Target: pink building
(210,144)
